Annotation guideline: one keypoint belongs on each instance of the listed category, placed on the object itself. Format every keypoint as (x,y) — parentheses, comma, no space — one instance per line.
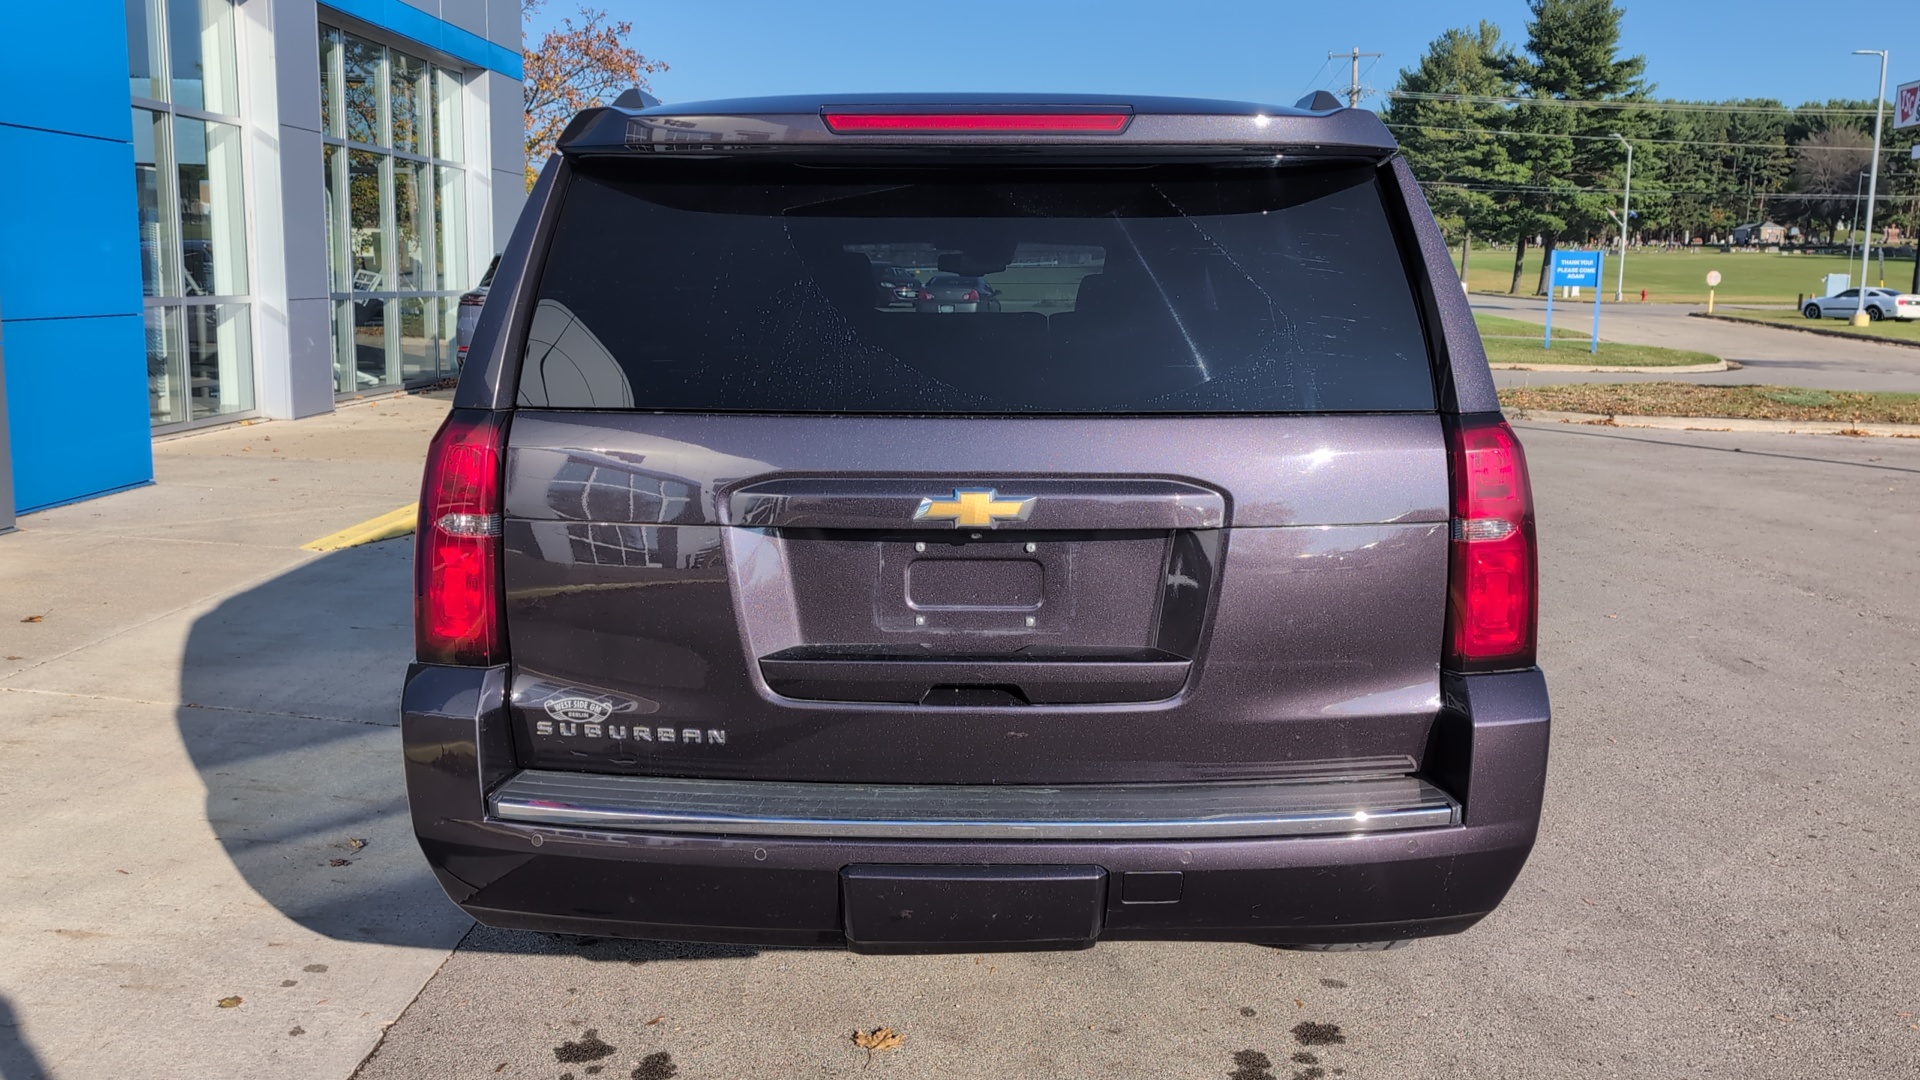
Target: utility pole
(1626,215)
(1873,181)
(1353,87)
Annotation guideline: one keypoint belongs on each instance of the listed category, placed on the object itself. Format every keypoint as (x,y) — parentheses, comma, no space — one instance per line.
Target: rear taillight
(925,295)
(1493,582)
(972,294)
(473,299)
(457,585)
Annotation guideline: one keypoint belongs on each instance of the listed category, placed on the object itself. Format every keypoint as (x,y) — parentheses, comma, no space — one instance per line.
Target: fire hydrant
(1643,296)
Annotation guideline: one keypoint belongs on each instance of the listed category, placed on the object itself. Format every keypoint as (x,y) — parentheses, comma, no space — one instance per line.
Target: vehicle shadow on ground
(290,711)
(17,1059)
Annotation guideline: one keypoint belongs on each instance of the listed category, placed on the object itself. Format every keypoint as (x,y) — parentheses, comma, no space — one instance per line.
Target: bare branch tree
(575,67)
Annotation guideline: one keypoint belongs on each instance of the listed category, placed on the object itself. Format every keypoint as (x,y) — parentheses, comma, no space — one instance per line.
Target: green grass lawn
(1515,341)
(1884,330)
(1734,402)
(1681,276)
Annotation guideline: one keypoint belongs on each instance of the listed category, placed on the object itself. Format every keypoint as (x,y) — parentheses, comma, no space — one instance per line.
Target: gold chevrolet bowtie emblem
(974,508)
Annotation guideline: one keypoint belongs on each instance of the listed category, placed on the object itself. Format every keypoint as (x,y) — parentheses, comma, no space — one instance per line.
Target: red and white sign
(1906,105)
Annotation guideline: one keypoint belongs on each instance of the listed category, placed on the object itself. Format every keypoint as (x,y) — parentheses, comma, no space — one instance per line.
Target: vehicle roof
(1317,125)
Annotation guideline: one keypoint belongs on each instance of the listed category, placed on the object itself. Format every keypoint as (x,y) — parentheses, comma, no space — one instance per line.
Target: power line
(1669,106)
(1538,189)
(1313,83)
(1609,138)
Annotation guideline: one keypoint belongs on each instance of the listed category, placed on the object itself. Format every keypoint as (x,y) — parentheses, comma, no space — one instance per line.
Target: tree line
(1529,145)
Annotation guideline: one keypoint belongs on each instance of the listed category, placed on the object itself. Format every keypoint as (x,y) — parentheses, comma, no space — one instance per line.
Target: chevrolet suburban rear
(1179,583)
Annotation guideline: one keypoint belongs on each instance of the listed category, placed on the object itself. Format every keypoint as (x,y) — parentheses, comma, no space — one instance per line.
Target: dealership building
(216,210)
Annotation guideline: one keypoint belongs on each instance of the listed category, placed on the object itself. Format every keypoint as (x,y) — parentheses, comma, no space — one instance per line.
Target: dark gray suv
(1187,591)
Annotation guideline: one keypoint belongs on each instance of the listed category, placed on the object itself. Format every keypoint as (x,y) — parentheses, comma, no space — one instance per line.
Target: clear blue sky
(1269,52)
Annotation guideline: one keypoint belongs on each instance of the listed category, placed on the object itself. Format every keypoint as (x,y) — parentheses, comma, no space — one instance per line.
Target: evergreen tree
(1456,147)
(1572,55)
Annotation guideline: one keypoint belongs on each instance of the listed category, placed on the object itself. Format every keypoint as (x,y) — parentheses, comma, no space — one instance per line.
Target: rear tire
(1811,311)
(1873,314)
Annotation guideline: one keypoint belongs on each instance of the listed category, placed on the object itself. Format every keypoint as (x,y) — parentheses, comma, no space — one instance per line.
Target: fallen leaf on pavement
(356,843)
(884,1038)
(34,618)
(656,1019)
(229,1002)
(339,862)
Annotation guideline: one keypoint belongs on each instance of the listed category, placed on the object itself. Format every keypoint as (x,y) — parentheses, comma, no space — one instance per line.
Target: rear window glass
(1164,289)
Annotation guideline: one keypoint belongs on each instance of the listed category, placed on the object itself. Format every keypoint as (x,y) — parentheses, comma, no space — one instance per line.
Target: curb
(388,526)
(1821,330)
(1722,423)
(1680,369)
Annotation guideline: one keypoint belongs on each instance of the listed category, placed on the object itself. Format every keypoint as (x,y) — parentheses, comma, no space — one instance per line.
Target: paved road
(1780,357)
(1724,885)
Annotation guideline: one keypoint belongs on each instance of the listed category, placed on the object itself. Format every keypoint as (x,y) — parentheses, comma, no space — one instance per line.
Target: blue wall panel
(69,227)
(63,67)
(77,404)
(76,383)
(409,21)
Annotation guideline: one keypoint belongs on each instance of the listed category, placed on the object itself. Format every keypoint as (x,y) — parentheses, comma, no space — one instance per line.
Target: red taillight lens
(473,299)
(925,295)
(1080,123)
(457,588)
(1493,586)
(972,294)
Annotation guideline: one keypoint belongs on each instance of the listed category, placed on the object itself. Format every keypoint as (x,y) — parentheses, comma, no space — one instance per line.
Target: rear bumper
(1488,750)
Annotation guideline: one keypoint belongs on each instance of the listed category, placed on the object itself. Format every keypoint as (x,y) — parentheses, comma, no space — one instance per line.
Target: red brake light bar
(922,122)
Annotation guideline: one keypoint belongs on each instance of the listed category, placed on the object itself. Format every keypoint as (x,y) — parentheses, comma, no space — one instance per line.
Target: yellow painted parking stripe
(385,527)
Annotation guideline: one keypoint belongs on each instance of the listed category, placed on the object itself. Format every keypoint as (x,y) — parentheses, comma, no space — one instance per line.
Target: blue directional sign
(1580,268)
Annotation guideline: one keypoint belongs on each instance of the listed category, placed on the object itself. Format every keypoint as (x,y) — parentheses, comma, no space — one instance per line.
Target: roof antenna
(1318,101)
(635,98)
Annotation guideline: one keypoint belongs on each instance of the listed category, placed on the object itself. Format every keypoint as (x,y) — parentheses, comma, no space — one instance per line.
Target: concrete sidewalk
(193,809)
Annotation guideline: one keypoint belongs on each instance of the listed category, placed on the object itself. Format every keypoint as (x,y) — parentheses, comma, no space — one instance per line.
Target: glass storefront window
(450,226)
(410,180)
(366,240)
(143,47)
(199,362)
(363,67)
(339,265)
(152,191)
(396,211)
(330,105)
(448,137)
(200,55)
(219,359)
(408,103)
(418,354)
(212,221)
(189,189)
(166,366)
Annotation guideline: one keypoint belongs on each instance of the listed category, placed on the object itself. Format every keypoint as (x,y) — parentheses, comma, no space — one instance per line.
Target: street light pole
(1866,236)
(1626,201)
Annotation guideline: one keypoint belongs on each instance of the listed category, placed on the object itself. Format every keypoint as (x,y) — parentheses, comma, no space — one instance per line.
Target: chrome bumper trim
(1178,811)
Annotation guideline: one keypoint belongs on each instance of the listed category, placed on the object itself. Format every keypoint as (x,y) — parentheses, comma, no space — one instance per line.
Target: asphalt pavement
(1776,356)
(211,874)
(1724,884)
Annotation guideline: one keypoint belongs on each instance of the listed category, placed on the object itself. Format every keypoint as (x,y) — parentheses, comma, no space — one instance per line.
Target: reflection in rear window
(705,287)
